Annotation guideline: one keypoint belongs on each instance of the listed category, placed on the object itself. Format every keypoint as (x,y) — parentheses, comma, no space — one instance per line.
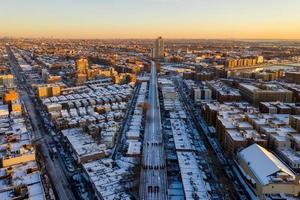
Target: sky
(198,19)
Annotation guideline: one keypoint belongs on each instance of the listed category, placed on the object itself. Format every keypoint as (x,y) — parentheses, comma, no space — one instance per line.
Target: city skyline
(258,19)
(152,119)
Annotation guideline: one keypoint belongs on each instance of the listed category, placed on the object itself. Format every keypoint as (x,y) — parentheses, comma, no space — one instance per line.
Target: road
(53,167)
(153,179)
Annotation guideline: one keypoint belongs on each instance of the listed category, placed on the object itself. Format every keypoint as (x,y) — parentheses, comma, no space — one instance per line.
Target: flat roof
(106,179)
(192,178)
(82,142)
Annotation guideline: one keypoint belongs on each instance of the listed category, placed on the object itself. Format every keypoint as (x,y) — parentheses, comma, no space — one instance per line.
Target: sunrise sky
(207,19)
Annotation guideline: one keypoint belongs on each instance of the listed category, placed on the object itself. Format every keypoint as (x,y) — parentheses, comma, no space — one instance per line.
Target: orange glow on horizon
(96,19)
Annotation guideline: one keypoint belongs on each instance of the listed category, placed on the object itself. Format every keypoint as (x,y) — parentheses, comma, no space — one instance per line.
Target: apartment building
(262,93)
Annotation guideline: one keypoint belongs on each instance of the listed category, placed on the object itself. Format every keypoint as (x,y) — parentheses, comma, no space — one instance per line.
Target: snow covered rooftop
(106,179)
(264,165)
(24,175)
(83,144)
(192,178)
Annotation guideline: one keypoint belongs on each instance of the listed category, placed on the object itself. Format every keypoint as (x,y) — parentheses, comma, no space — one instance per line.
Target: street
(53,167)
(153,178)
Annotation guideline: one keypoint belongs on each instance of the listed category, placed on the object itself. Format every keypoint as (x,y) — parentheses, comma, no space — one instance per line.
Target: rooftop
(264,165)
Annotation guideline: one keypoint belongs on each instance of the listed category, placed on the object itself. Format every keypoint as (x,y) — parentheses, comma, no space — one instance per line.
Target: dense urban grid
(149,119)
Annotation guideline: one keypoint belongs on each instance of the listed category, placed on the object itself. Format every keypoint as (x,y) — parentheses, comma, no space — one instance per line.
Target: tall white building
(159,48)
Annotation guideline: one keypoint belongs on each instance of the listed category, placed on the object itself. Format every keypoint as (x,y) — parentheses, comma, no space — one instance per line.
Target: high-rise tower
(82,66)
(159,48)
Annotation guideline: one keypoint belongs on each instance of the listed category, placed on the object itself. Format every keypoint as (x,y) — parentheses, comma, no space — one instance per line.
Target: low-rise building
(107,180)
(21,181)
(279,108)
(84,147)
(293,77)
(223,93)
(237,139)
(201,94)
(266,173)
(295,122)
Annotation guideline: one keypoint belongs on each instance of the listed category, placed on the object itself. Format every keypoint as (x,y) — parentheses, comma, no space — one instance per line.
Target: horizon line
(136,38)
